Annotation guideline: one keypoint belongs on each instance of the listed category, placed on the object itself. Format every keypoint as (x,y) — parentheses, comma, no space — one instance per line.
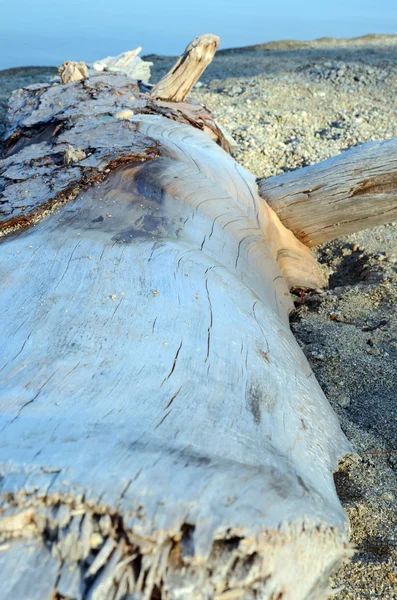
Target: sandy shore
(288,105)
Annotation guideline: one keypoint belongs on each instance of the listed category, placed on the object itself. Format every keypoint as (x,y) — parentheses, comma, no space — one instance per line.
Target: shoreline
(374,39)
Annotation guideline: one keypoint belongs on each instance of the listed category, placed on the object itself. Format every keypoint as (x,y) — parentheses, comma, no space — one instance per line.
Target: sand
(288,105)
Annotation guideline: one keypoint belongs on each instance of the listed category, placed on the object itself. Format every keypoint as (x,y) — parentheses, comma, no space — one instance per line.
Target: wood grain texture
(162,433)
(177,84)
(350,192)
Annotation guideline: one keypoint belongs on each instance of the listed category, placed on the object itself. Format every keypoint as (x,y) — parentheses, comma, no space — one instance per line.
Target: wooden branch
(353,191)
(163,435)
(177,84)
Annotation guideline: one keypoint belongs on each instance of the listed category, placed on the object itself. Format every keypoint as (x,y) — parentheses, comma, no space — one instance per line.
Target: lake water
(47,32)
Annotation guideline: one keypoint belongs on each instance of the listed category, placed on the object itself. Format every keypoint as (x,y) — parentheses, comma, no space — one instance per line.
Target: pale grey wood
(350,192)
(153,397)
(128,62)
(28,571)
(70,583)
(102,557)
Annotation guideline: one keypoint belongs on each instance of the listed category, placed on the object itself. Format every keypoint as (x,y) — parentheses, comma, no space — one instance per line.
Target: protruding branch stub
(177,84)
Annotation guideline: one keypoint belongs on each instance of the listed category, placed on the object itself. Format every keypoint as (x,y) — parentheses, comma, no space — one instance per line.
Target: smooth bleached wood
(128,63)
(162,433)
(353,191)
(177,84)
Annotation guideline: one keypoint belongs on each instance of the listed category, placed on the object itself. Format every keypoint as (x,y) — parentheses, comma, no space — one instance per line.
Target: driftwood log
(163,435)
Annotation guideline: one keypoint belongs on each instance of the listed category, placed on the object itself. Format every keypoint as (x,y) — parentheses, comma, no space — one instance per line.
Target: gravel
(291,104)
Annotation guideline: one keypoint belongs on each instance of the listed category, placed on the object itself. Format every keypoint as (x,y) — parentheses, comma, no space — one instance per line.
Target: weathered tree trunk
(162,433)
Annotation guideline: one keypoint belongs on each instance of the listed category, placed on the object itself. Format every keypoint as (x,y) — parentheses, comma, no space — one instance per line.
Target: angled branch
(177,84)
(342,195)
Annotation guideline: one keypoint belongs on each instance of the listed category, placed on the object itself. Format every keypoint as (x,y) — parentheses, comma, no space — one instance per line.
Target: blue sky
(47,32)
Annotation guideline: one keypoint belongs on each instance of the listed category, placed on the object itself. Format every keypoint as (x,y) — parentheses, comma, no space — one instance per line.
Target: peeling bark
(42,129)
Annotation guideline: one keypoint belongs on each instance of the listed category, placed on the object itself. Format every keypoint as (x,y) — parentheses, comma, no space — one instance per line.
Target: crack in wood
(211,321)
(174,363)
(173,398)
(68,264)
(29,401)
(163,419)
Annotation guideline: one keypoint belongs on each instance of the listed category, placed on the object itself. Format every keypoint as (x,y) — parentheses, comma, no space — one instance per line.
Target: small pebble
(124,114)
(344,401)
(388,496)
